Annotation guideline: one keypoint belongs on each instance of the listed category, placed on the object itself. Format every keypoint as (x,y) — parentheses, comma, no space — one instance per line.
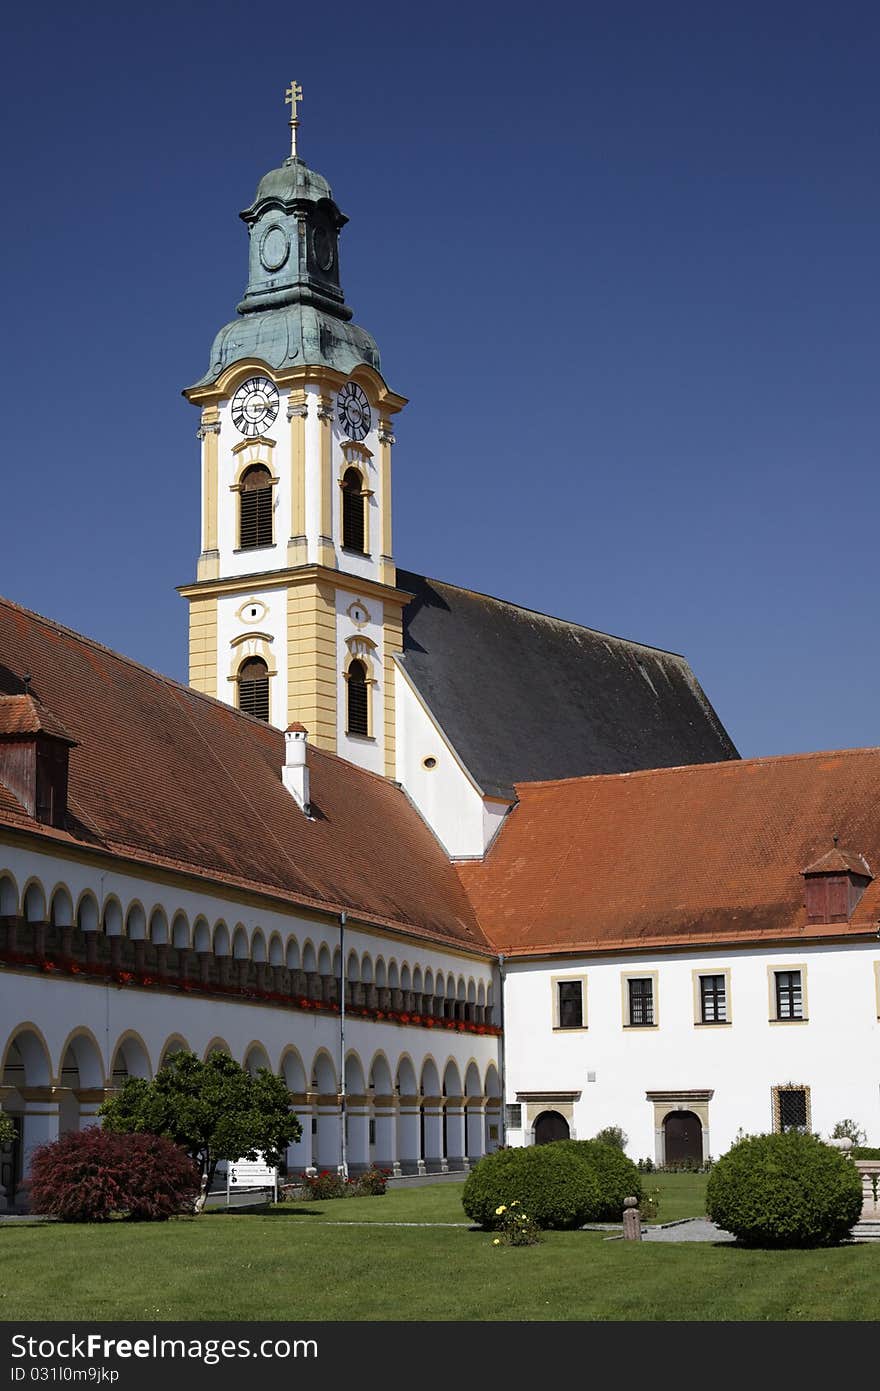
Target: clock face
(353,411)
(254,406)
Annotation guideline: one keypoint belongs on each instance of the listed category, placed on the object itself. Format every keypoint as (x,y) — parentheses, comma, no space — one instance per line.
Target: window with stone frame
(570,1000)
(641,1000)
(791,1108)
(713,999)
(789,995)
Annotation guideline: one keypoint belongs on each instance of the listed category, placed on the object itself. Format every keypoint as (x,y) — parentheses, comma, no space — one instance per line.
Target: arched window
(353,503)
(253,688)
(255,529)
(358,699)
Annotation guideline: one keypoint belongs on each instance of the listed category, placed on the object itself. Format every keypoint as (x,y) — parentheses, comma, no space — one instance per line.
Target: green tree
(7,1129)
(214,1109)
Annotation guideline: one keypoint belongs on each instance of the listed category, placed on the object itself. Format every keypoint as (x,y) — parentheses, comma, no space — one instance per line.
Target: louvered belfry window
(253,688)
(358,696)
(353,532)
(256,509)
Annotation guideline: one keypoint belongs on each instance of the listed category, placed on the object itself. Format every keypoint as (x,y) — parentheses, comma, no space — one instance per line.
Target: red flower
(48,966)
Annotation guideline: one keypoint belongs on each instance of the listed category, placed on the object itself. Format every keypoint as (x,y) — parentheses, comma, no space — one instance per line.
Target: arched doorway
(682,1138)
(550,1126)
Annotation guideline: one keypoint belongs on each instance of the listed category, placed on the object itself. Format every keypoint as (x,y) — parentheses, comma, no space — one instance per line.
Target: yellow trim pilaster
(387,568)
(209,432)
(311,659)
(326,552)
(297,410)
(203,644)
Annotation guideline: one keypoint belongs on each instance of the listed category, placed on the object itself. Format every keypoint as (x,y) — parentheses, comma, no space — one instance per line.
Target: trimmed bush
(552,1184)
(784,1190)
(617,1176)
(613,1135)
(91,1175)
(865,1152)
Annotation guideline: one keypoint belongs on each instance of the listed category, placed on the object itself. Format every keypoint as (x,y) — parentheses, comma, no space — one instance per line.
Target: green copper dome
(293,312)
(294,180)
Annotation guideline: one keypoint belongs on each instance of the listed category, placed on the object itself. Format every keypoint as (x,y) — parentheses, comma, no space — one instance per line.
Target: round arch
(87,912)
(292,1069)
(9,896)
(136,921)
(323,1076)
(60,907)
(81,1053)
(31,1054)
(131,1058)
(34,902)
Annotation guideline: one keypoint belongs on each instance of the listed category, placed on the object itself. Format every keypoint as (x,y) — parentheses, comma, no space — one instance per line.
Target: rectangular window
(256,519)
(791,1108)
(713,1000)
(513,1116)
(641,1000)
(789,995)
(372,1125)
(571,1004)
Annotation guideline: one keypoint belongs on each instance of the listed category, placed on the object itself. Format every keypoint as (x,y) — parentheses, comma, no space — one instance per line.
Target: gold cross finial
(293,95)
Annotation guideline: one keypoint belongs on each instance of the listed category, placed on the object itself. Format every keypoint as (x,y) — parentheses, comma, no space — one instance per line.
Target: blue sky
(621,258)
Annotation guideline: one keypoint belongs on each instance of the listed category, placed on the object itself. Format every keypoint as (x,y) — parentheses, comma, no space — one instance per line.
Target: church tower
(295,614)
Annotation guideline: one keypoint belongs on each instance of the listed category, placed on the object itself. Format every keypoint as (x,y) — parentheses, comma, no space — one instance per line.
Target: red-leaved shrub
(88,1175)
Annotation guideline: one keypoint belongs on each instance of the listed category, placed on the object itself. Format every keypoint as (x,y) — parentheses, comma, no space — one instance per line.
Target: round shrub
(617,1176)
(553,1185)
(90,1175)
(784,1190)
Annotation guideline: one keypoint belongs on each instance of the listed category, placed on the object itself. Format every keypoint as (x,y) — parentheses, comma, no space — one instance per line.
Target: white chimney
(295,773)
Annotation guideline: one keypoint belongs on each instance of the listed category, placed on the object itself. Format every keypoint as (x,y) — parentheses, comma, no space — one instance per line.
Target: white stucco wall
(836,1053)
(461,819)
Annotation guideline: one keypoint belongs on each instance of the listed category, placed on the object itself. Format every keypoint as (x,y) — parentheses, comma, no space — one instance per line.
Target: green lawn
(299,1262)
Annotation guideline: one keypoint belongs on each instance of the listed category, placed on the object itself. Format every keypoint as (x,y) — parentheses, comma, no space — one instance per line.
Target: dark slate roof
(523,697)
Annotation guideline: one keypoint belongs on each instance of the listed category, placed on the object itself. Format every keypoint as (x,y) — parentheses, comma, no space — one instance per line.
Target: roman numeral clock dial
(254,406)
(353,411)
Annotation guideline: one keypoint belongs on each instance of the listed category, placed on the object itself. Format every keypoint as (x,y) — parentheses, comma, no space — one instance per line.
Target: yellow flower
(497,1241)
(499,1210)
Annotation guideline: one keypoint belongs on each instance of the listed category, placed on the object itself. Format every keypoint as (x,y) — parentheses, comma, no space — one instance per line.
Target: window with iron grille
(255,528)
(513,1115)
(253,688)
(571,1004)
(791,1108)
(789,995)
(713,1000)
(353,530)
(358,698)
(641,1000)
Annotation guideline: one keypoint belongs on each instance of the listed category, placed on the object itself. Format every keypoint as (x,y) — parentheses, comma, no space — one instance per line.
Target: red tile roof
(693,855)
(170,777)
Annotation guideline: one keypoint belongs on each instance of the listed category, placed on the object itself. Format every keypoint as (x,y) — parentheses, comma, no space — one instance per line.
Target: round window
(429,762)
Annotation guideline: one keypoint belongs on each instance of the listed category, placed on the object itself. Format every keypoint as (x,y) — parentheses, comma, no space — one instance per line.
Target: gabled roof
(22,717)
(169,777)
(522,696)
(679,856)
(839,862)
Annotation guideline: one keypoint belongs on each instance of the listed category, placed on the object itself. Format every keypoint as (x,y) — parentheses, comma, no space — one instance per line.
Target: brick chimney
(295,773)
(34,758)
